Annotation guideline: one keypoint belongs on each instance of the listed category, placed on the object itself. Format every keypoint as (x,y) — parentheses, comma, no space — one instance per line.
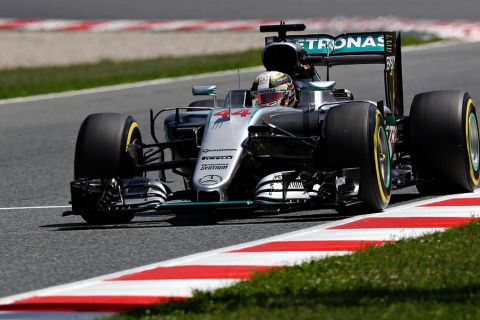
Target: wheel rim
(383,157)
(131,130)
(473,140)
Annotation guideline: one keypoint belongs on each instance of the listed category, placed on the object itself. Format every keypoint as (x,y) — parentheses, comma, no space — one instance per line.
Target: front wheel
(356,137)
(101,153)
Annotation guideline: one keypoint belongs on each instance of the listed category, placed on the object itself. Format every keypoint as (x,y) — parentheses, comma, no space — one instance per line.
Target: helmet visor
(268,98)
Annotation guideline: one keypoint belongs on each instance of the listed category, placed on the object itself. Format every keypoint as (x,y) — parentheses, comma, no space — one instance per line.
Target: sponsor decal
(218,150)
(392,134)
(209,180)
(390,63)
(217,157)
(317,44)
(392,138)
(214,166)
(359,43)
(312,44)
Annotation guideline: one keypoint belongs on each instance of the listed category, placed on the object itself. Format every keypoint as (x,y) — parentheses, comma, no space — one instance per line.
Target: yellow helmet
(273,88)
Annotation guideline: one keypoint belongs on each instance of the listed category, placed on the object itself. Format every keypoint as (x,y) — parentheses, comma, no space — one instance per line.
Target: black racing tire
(101,149)
(444,139)
(355,136)
(101,153)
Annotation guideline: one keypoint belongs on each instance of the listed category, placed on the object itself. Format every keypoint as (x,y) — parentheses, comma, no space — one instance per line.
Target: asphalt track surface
(39,248)
(229,9)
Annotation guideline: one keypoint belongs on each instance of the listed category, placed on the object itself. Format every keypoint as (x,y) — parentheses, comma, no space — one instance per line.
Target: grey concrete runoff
(39,248)
(30,49)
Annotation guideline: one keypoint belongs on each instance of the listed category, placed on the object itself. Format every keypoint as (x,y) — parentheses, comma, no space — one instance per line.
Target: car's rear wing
(381,47)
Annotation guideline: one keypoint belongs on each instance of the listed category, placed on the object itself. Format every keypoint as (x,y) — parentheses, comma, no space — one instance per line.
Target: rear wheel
(444,138)
(356,137)
(101,153)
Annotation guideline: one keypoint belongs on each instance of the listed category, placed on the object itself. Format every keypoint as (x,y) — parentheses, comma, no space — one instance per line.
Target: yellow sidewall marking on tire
(467,131)
(385,198)
(130,132)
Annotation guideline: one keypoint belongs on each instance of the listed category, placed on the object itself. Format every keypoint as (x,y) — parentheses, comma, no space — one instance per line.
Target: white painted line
(459,212)
(154,288)
(474,194)
(378,234)
(286,258)
(37,207)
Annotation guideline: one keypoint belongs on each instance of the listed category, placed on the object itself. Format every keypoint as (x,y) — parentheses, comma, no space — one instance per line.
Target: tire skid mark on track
(177,279)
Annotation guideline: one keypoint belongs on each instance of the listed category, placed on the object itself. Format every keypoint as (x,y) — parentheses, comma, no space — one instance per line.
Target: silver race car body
(327,150)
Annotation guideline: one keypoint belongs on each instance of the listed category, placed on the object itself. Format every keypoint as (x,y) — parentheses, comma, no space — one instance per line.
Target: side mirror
(204,90)
(321,85)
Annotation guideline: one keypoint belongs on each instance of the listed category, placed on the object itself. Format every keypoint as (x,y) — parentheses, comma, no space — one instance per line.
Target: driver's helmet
(273,88)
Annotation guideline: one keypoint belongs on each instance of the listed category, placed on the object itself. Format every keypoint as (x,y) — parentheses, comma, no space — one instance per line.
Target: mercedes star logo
(210,179)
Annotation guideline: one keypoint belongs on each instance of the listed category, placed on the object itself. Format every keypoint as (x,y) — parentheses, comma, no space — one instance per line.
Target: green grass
(32,81)
(411,40)
(432,277)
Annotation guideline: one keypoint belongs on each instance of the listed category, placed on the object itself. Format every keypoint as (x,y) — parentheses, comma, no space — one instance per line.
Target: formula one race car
(292,140)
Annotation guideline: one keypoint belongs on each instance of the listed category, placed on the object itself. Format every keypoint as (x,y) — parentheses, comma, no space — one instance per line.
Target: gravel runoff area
(30,49)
